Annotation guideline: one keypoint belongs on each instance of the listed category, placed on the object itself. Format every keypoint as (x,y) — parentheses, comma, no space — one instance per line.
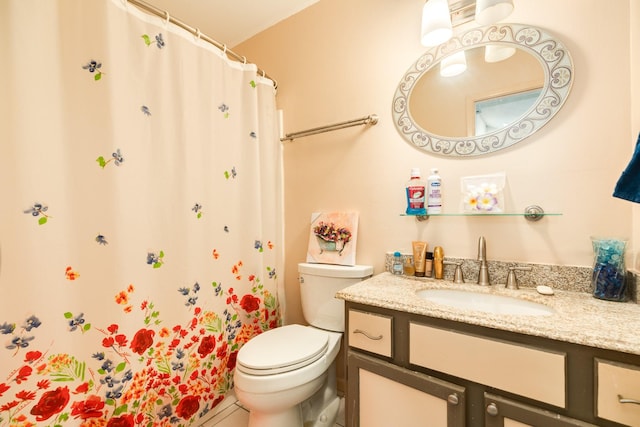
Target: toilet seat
(282,350)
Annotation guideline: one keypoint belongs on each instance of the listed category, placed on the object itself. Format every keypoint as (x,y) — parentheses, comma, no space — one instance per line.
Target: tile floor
(230,413)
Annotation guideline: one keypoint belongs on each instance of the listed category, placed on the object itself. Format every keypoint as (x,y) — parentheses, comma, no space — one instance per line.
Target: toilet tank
(318,286)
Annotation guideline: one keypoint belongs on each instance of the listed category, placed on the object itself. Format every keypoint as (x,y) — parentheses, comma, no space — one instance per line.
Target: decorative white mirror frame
(558,70)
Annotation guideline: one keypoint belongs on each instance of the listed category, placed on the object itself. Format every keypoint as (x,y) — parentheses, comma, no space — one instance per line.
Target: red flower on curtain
(125,420)
(188,406)
(142,340)
(207,345)
(249,303)
(50,403)
(90,408)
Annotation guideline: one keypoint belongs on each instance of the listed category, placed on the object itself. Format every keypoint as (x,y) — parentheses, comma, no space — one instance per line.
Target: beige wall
(342,59)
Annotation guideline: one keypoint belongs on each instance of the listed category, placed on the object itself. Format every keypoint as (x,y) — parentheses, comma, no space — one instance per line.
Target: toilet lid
(282,349)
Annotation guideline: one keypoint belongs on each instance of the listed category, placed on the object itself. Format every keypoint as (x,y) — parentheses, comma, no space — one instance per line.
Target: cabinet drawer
(370,332)
(618,392)
(526,371)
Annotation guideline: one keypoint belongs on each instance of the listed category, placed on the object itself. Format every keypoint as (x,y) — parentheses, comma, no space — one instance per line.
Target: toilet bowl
(286,376)
(279,378)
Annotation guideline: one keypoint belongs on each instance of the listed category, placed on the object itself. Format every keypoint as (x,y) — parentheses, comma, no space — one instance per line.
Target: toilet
(286,376)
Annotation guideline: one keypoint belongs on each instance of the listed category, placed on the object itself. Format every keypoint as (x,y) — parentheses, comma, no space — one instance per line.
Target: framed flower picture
(483,194)
(332,238)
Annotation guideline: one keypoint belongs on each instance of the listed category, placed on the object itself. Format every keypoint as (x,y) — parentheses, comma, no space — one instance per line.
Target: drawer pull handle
(453,399)
(366,334)
(624,400)
(492,409)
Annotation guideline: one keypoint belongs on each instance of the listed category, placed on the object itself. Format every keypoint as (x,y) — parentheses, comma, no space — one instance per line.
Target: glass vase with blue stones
(609,272)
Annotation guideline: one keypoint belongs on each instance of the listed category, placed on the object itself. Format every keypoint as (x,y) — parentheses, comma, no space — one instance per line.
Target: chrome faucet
(483,274)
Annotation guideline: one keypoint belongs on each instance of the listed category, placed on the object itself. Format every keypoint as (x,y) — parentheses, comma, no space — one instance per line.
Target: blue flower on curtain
(224,108)
(101,240)
(190,293)
(145,110)
(76,322)
(197,208)
(116,158)
(94,67)
(159,41)
(231,174)
(155,259)
(38,209)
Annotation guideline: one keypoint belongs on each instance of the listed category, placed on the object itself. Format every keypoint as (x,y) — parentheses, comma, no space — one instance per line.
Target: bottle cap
(415,172)
(397,254)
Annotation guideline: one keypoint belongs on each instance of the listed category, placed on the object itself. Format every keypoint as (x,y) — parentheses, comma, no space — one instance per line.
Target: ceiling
(231,22)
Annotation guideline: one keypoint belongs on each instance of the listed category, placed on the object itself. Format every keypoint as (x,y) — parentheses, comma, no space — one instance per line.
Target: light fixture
(491,11)
(436,23)
(453,65)
(497,52)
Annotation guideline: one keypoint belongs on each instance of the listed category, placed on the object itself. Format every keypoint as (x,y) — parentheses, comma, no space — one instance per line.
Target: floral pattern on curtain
(140,228)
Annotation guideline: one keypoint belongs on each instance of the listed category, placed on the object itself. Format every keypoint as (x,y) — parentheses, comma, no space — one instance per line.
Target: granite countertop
(579,317)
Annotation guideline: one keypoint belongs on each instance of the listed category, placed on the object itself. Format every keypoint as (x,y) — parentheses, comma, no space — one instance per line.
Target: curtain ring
(224,50)
(198,33)
(167,17)
(263,74)
(244,60)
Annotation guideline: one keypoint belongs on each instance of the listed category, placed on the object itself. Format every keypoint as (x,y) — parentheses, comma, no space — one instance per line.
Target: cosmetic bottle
(397,267)
(428,264)
(438,262)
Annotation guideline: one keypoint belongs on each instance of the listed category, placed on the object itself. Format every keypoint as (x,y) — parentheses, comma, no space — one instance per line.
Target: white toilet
(286,376)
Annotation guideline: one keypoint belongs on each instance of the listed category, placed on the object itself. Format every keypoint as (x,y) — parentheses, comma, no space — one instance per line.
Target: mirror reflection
(483,90)
(482,98)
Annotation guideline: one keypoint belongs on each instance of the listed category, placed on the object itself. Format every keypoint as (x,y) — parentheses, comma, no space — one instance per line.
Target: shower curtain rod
(196,32)
(368,120)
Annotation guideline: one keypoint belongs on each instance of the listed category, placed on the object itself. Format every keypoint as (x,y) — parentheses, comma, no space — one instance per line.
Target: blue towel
(628,186)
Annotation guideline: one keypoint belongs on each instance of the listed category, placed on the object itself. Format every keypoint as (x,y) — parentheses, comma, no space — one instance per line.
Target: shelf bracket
(533,213)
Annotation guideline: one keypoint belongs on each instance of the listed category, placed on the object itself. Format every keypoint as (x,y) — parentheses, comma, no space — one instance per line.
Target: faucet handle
(512,280)
(457,276)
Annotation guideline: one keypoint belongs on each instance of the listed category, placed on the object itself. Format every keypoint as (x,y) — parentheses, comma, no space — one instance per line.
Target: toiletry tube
(438,262)
(419,252)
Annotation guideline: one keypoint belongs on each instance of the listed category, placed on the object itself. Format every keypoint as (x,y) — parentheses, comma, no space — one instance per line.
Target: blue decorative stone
(609,273)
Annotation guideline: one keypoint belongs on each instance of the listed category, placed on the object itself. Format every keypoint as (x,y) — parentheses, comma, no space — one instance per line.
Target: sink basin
(488,303)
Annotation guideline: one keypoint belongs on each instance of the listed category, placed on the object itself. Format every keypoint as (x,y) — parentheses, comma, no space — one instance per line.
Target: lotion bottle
(434,193)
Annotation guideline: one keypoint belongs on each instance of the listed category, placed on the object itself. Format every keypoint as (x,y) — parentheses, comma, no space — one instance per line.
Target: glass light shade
(436,23)
(497,53)
(453,65)
(491,11)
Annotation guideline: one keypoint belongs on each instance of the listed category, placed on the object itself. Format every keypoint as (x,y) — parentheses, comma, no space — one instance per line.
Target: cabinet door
(618,392)
(501,412)
(382,395)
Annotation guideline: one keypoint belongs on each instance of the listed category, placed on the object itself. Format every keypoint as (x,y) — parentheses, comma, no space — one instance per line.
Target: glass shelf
(531,213)
(488,214)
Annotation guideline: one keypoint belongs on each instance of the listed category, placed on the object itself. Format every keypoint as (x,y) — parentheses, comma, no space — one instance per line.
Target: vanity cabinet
(413,370)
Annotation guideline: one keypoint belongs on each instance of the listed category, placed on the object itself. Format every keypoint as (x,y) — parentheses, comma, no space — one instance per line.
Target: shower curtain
(140,216)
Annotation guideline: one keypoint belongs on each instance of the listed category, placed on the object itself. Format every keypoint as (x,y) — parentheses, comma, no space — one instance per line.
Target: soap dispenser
(438,262)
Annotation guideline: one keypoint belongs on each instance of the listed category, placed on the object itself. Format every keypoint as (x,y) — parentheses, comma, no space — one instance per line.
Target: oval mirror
(516,78)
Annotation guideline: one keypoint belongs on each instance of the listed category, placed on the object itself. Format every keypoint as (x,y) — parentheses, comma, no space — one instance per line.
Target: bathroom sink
(488,303)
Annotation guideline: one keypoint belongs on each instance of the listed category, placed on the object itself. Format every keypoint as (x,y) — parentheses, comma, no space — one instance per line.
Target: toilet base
(290,417)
